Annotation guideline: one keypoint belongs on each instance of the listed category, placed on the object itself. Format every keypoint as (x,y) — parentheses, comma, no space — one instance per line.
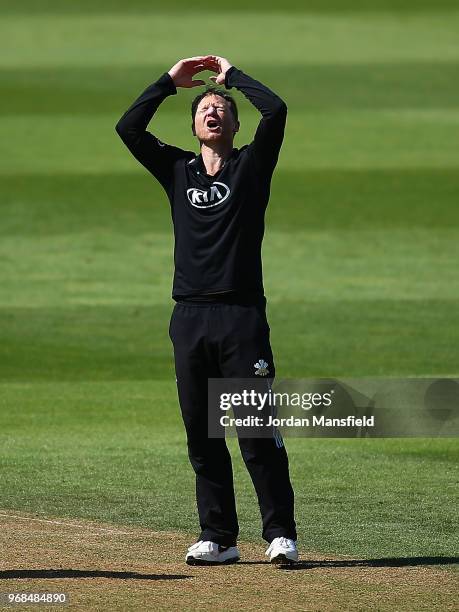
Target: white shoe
(210,553)
(282,550)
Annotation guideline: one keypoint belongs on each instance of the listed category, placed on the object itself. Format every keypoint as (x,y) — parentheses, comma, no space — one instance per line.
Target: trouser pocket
(171,323)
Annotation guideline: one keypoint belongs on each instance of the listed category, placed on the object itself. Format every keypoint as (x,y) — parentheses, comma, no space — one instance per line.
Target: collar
(197,163)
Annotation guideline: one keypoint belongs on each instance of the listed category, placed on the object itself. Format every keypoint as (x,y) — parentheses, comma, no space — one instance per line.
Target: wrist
(172,75)
(166,82)
(228,74)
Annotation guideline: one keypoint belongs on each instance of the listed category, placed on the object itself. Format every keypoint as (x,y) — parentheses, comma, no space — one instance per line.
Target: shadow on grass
(384,562)
(71,573)
(300,565)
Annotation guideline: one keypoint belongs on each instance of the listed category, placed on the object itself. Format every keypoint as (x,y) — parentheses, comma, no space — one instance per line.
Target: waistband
(223,299)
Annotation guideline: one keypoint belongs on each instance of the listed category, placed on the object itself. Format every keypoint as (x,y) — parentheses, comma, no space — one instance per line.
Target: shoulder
(240,154)
(243,149)
(176,153)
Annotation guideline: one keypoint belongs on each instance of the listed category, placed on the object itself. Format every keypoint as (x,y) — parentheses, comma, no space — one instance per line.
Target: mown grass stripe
(140,40)
(314,140)
(66,7)
(128,204)
(384,337)
(95,90)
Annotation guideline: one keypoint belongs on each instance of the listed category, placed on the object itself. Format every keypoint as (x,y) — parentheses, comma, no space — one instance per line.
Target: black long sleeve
(270,132)
(218,220)
(156,156)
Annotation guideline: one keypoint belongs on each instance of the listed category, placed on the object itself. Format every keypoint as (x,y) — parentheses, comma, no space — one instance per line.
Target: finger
(196,58)
(209,66)
(190,61)
(196,69)
(197,66)
(213,61)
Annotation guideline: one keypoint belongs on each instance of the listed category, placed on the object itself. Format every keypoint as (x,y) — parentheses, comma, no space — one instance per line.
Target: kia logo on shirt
(206,198)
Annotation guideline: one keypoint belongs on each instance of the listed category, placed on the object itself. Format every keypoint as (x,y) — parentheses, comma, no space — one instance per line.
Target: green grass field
(360,257)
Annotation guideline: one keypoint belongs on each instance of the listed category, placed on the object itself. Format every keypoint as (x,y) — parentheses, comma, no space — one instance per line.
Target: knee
(207,455)
(261,451)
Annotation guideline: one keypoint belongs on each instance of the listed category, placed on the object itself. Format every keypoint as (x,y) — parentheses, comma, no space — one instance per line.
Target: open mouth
(213,125)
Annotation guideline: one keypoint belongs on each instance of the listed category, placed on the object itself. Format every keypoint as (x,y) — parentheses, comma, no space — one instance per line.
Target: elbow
(279,116)
(119,129)
(125,133)
(281,108)
(128,134)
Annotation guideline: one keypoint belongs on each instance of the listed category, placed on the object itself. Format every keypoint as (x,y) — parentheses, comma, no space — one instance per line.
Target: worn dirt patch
(109,567)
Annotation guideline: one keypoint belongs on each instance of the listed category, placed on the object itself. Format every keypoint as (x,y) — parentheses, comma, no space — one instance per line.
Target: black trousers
(226,339)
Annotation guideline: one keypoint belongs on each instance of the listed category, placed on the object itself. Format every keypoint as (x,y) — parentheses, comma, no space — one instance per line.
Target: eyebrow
(218,105)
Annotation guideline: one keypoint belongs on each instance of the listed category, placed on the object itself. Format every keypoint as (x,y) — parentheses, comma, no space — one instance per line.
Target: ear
(237,125)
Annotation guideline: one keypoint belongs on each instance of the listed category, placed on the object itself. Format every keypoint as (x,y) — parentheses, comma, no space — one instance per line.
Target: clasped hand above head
(184,70)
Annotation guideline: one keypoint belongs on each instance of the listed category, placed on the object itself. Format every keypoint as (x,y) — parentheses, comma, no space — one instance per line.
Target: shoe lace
(285,542)
(281,541)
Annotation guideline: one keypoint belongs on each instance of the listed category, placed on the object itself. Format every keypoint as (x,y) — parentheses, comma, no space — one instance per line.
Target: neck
(215,155)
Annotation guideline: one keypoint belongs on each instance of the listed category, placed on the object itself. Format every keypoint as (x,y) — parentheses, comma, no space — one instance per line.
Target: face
(214,120)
